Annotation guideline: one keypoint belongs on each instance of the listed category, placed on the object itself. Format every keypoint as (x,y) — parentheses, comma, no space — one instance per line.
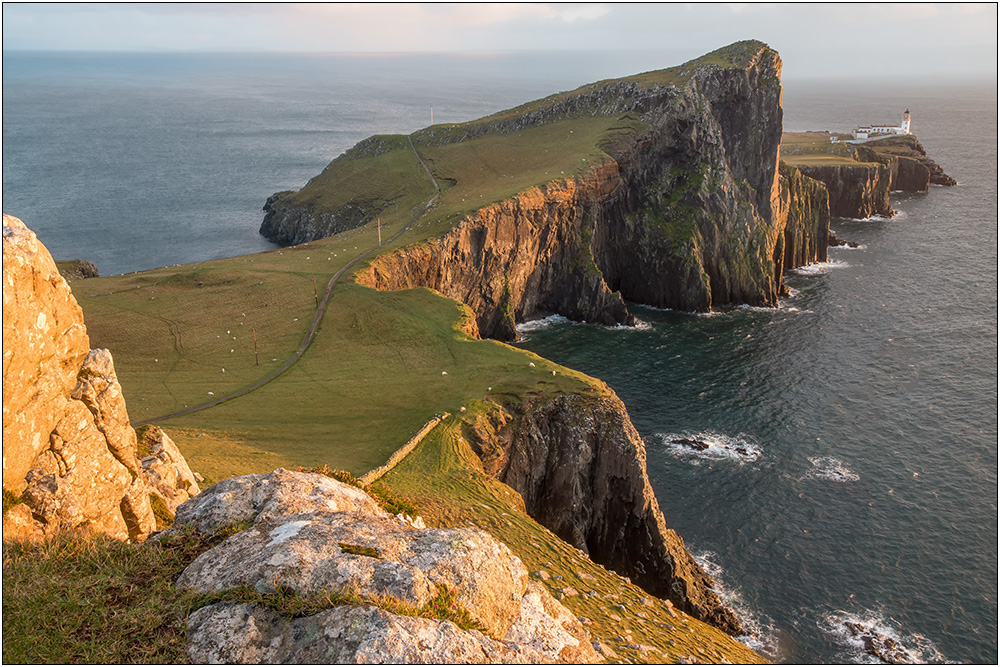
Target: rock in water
(310,534)
(68,448)
(884,648)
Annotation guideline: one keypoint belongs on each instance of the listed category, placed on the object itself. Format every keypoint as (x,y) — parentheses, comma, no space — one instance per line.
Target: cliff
(69,453)
(580,467)
(685,212)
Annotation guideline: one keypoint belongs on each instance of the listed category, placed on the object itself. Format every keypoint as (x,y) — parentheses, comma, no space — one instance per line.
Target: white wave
(874,218)
(544,323)
(712,446)
(845,246)
(757,309)
(761,635)
(820,268)
(910,648)
(638,326)
(828,467)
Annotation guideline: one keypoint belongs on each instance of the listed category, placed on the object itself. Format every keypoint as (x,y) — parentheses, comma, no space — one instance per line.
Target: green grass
(815,149)
(446,479)
(96,600)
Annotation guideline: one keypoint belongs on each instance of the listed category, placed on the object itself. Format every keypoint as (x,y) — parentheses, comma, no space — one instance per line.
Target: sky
(814,39)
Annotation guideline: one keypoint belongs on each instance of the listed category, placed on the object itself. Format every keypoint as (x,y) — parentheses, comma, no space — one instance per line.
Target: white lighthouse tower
(905,126)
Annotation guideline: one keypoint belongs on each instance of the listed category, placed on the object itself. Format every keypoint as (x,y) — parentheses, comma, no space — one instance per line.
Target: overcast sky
(837,39)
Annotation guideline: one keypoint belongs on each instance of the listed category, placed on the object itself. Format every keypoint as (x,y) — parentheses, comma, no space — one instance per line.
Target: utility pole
(255,355)
(379,232)
(315,292)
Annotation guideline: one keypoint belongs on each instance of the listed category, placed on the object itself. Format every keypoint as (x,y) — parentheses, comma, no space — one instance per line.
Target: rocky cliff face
(308,535)
(804,213)
(69,451)
(521,258)
(855,191)
(580,466)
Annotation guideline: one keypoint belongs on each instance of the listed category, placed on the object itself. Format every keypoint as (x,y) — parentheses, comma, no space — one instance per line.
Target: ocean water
(851,472)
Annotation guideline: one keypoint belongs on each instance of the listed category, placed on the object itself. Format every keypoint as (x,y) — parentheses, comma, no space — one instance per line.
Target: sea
(849,472)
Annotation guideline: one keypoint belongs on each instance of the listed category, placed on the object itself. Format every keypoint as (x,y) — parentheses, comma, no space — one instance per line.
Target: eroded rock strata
(69,451)
(580,466)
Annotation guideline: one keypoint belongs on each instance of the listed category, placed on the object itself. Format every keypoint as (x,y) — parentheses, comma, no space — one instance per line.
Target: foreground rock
(311,535)
(69,450)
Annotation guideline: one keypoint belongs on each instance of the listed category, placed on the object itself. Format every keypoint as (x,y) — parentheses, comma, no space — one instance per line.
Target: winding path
(320,310)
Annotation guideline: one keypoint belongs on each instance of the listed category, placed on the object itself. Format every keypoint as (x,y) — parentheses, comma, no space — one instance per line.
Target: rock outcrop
(580,466)
(69,451)
(77,269)
(858,191)
(804,212)
(307,535)
(170,478)
(894,164)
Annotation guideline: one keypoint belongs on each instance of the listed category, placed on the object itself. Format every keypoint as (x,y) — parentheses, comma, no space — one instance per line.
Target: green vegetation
(816,149)
(96,600)
(390,501)
(10,499)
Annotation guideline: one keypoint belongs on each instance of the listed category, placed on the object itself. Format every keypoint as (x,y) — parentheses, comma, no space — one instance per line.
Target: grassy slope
(815,149)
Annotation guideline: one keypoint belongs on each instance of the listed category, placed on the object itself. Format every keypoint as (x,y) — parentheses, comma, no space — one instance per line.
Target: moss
(146,436)
(164,519)
(359,550)
(10,499)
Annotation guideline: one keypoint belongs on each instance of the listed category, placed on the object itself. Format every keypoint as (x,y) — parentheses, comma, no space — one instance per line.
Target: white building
(874,131)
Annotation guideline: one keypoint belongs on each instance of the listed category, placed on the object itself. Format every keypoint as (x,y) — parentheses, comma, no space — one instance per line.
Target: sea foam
(711,446)
(761,634)
(830,468)
(820,268)
(916,648)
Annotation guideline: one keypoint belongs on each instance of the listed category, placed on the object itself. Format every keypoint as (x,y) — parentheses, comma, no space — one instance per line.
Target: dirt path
(320,310)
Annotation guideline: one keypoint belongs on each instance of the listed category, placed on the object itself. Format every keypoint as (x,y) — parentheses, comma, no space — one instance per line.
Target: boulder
(307,534)
(241,633)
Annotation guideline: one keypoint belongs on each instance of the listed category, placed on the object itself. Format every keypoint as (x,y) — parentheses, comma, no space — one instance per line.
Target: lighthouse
(905,125)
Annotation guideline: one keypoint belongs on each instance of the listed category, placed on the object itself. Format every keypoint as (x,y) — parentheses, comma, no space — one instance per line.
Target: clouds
(817,38)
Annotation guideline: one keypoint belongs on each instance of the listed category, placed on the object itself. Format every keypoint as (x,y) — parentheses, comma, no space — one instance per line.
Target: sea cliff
(580,467)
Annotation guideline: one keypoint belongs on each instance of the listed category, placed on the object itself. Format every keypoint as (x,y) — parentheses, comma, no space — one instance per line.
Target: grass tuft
(391,502)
